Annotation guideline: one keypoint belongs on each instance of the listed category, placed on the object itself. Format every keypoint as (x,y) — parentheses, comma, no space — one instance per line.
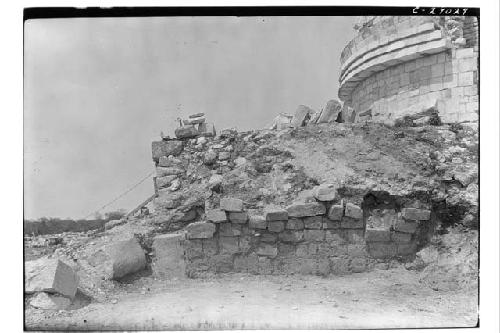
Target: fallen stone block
(186,132)
(351,223)
(353,211)
(199,230)
(301,116)
(325,192)
(313,222)
(168,256)
(238,217)
(166,148)
(46,301)
(295,224)
(306,209)
(267,250)
(290,236)
(276,226)
(257,222)
(273,213)
(123,258)
(231,204)
(216,216)
(50,275)
(377,235)
(415,214)
(330,112)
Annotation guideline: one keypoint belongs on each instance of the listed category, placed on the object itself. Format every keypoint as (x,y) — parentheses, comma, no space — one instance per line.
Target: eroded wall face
(400,66)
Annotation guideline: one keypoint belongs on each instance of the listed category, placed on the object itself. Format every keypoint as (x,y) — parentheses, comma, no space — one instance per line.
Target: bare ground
(378,299)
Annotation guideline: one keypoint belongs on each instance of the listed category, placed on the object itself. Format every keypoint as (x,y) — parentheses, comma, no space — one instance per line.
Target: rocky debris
(200,230)
(305,209)
(325,192)
(331,112)
(301,116)
(47,301)
(231,204)
(122,257)
(50,275)
(281,121)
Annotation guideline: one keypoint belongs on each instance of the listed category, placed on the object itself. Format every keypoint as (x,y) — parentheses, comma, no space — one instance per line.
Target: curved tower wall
(402,65)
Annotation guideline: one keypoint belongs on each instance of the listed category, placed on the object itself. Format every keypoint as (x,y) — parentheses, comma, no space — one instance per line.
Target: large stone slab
(216,216)
(46,301)
(186,132)
(325,192)
(257,222)
(330,112)
(353,211)
(50,275)
(168,256)
(166,148)
(124,257)
(231,204)
(200,230)
(301,116)
(306,209)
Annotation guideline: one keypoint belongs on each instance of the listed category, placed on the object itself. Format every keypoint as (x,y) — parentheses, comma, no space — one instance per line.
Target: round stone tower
(399,66)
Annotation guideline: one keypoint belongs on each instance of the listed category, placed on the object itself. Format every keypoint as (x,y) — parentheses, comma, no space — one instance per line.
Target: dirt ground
(378,299)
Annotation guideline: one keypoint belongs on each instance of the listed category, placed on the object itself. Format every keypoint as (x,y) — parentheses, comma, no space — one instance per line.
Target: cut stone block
(50,275)
(238,217)
(353,211)
(273,213)
(336,212)
(295,224)
(301,116)
(377,235)
(196,115)
(330,112)
(267,250)
(276,226)
(415,214)
(186,132)
(216,216)
(229,229)
(166,148)
(45,301)
(306,209)
(329,224)
(325,192)
(351,223)
(168,256)
(257,222)
(268,238)
(314,235)
(124,257)
(198,230)
(313,222)
(290,236)
(231,204)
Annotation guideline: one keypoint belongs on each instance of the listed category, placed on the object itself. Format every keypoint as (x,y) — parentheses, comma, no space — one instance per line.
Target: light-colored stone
(257,222)
(50,275)
(306,209)
(168,256)
(46,301)
(124,257)
(336,212)
(301,116)
(274,213)
(186,132)
(330,112)
(325,192)
(199,230)
(231,204)
(216,216)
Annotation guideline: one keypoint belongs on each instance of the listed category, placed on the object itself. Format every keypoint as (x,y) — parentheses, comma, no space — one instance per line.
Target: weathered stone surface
(46,301)
(290,236)
(238,217)
(124,257)
(407,249)
(377,235)
(206,130)
(268,238)
(193,249)
(199,230)
(276,226)
(224,155)
(229,229)
(354,236)
(336,212)
(168,256)
(166,181)
(409,227)
(166,148)
(401,237)
(267,250)
(186,132)
(358,265)
(231,204)
(330,112)
(210,157)
(301,116)
(382,250)
(313,222)
(314,235)
(216,216)
(257,222)
(351,223)
(353,211)
(295,224)
(357,250)
(286,249)
(339,266)
(274,213)
(169,161)
(228,245)
(415,214)
(306,209)
(332,236)
(325,192)
(194,120)
(168,171)
(210,246)
(329,224)
(51,275)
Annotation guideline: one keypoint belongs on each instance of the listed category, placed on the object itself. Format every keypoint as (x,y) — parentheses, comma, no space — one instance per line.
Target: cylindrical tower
(400,66)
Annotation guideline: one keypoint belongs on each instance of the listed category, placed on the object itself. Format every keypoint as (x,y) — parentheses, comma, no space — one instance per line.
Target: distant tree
(115,215)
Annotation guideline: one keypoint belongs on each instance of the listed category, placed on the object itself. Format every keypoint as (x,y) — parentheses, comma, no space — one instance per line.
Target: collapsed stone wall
(403,66)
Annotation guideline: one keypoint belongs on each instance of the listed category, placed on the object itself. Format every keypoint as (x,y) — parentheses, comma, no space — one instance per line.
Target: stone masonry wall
(324,235)
(403,66)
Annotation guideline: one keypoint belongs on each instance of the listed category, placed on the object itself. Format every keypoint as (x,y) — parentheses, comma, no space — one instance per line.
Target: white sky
(97,91)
